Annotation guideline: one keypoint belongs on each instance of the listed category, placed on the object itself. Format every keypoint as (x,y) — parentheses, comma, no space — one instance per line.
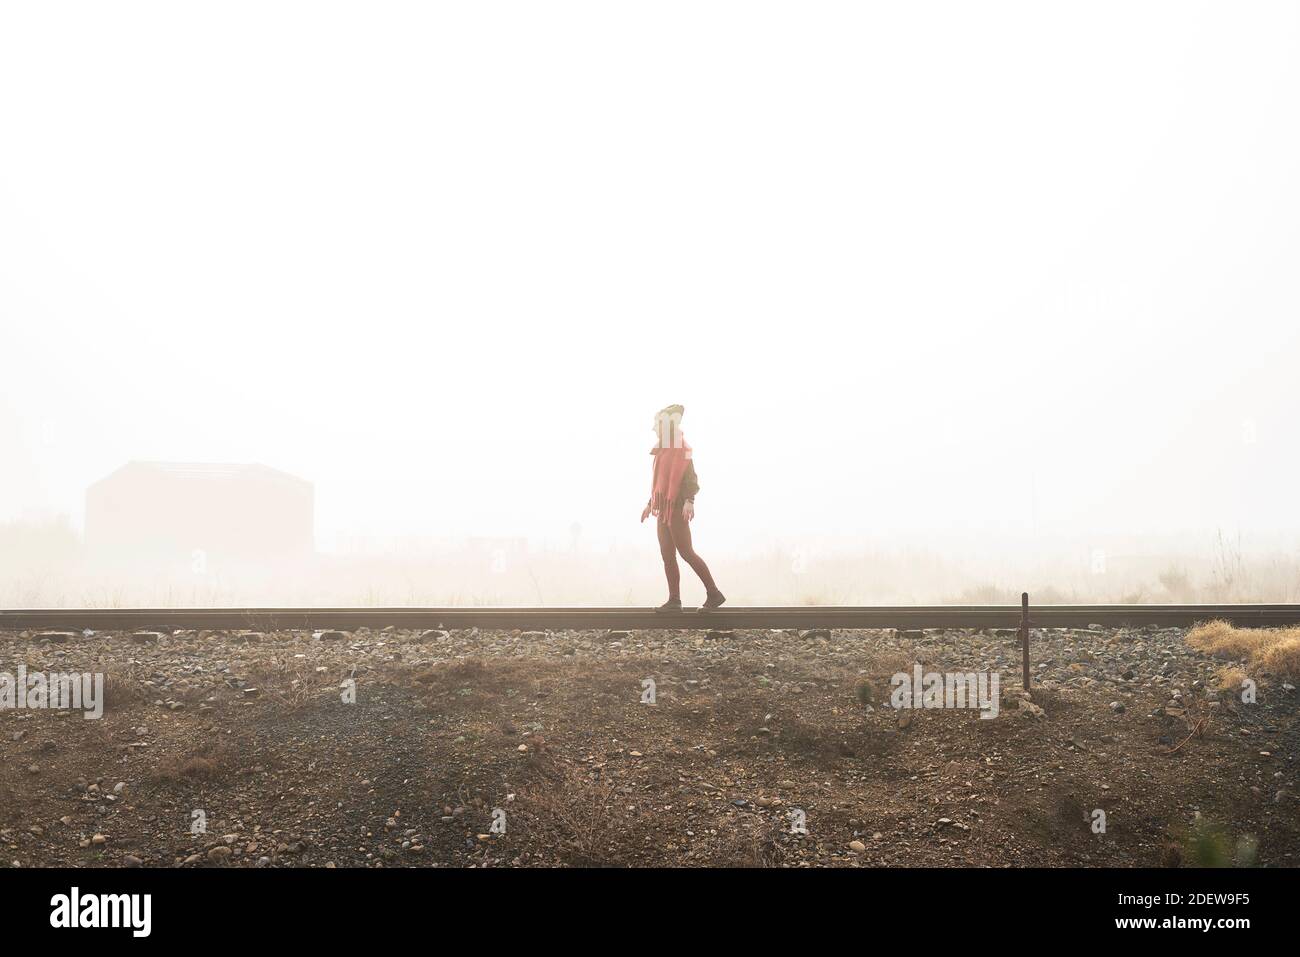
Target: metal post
(1024,634)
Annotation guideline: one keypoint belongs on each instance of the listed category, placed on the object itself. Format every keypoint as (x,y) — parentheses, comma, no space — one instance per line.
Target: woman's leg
(681,537)
(668,551)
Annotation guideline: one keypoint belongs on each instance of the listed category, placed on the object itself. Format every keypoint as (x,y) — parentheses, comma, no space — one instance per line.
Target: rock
(219,855)
(56,637)
(717,634)
(814,633)
(1117,707)
(99,840)
(146,637)
(331,636)
(857,846)
(131,860)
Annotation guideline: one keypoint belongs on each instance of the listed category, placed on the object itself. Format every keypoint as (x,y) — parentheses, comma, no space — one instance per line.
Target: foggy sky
(915,270)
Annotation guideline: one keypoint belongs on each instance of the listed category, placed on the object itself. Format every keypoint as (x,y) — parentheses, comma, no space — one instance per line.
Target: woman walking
(672,499)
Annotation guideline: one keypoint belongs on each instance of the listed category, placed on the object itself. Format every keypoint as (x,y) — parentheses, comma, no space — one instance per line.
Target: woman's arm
(690,483)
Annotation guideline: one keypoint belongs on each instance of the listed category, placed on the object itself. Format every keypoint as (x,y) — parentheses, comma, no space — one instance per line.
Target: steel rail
(761,617)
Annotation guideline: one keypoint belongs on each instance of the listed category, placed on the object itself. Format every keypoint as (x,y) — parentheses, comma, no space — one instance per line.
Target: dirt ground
(751,735)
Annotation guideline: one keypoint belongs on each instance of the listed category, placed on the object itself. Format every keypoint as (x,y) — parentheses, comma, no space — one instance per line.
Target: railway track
(899,616)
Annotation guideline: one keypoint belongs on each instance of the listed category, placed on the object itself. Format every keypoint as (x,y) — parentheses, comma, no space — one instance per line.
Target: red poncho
(671,458)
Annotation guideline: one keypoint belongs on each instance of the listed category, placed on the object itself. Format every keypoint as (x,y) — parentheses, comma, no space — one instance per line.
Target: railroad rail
(811,616)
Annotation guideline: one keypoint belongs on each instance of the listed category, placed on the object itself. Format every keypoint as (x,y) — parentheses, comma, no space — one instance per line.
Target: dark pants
(674,540)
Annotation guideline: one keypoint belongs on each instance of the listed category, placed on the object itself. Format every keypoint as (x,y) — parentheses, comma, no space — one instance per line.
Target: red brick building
(169,511)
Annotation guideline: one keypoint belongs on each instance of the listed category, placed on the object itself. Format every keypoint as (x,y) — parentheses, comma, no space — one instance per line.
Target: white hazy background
(972,279)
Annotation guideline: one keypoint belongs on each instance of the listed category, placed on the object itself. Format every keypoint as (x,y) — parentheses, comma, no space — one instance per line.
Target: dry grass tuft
(292,683)
(1275,650)
(1283,658)
(1229,678)
(209,763)
(1225,641)
(122,691)
(750,843)
(577,814)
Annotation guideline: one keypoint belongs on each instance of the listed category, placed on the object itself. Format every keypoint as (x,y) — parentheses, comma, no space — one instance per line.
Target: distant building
(172,511)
